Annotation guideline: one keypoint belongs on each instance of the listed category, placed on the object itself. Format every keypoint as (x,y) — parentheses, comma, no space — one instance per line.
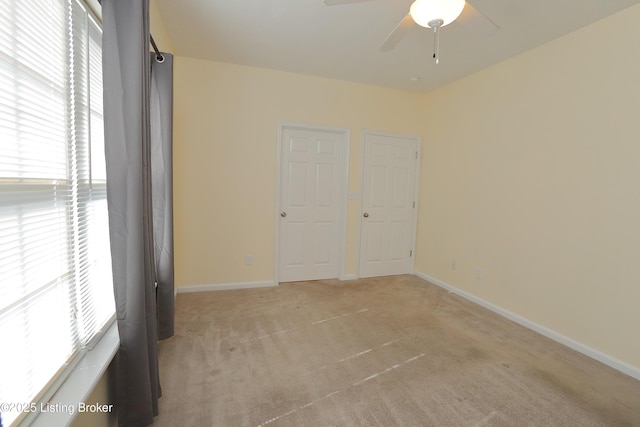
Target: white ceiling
(341,42)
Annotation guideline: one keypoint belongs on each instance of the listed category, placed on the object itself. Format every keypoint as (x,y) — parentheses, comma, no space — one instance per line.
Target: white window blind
(55,263)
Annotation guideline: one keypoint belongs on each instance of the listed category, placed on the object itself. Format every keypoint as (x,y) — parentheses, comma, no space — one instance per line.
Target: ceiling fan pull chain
(436,44)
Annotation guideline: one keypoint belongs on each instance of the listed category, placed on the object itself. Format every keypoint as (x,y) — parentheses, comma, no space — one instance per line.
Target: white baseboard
(224,287)
(348,277)
(623,367)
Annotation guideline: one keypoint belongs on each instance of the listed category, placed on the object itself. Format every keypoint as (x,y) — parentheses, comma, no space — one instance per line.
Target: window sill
(63,407)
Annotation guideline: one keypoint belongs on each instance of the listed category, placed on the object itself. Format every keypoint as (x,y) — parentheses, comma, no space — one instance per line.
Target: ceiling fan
(434,14)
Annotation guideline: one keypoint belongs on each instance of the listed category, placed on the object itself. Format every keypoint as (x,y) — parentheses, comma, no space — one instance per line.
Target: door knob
(366,215)
(283,214)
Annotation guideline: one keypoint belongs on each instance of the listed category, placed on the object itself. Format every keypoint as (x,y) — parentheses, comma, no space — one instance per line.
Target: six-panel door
(388,203)
(310,203)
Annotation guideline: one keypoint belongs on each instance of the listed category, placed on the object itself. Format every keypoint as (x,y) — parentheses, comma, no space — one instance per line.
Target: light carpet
(391,351)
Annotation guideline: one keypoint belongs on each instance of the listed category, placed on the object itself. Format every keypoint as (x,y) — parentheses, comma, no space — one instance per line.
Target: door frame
(414,221)
(344,172)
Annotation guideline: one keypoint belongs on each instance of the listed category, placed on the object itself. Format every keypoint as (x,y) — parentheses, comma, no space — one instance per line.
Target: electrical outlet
(248,260)
(453,264)
(479,273)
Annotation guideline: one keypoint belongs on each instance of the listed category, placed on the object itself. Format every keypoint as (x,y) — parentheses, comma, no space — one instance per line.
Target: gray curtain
(128,147)
(162,186)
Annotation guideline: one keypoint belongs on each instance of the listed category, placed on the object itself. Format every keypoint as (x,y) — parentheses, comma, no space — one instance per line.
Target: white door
(388,204)
(311,201)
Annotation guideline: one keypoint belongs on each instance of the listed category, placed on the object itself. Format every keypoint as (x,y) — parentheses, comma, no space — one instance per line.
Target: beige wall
(225,150)
(158,29)
(531,172)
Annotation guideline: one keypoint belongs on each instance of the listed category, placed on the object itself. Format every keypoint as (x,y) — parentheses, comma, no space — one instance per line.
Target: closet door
(387,232)
(311,200)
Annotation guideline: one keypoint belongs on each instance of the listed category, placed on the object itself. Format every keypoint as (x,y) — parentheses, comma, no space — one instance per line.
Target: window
(55,265)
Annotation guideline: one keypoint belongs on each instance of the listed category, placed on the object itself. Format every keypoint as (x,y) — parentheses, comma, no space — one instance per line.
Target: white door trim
(342,236)
(414,222)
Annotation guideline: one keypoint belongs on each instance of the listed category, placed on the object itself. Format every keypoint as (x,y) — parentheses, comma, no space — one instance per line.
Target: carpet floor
(391,351)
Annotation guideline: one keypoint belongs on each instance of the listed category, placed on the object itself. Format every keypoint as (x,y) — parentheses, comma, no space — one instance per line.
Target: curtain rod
(159,56)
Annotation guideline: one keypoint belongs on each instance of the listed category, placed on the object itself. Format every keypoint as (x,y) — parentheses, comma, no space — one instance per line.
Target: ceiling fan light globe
(425,11)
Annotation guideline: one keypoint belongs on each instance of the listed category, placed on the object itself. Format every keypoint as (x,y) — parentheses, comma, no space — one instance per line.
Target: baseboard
(623,367)
(348,277)
(224,287)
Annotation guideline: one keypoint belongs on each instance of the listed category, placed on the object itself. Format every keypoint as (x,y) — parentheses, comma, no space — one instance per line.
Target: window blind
(55,264)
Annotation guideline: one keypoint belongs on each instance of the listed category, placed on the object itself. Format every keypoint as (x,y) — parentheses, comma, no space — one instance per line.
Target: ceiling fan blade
(476,22)
(339,2)
(397,34)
